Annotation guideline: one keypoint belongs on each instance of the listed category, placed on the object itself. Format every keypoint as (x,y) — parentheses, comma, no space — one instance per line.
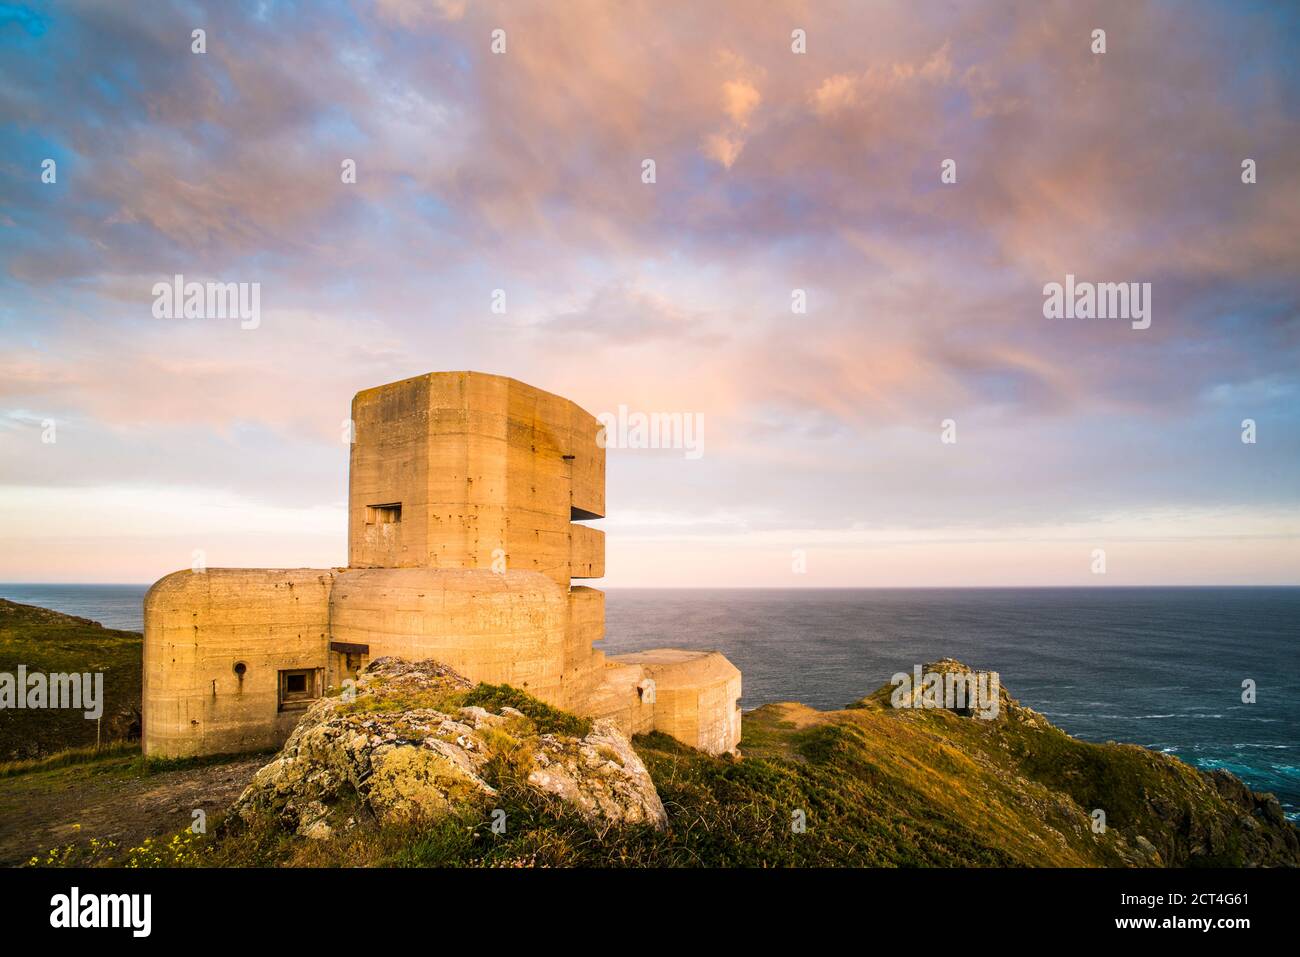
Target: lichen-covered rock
(403,747)
(600,775)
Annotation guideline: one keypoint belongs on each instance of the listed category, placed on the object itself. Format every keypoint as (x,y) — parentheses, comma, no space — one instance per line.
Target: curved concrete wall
(696,695)
(198,626)
(501,628)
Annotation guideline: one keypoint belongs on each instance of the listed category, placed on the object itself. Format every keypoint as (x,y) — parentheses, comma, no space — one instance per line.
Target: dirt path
(111,800)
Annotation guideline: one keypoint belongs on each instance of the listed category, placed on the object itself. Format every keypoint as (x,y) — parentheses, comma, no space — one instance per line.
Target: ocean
(1159,667)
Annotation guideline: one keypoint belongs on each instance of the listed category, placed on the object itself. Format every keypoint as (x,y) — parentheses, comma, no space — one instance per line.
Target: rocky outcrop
(1260,815)
(405,746)
(1153,809)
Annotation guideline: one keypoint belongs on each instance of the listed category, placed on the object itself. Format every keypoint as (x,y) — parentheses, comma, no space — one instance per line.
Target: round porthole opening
(240,668)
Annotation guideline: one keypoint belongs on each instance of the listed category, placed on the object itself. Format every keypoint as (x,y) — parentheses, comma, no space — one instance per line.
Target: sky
(921,422)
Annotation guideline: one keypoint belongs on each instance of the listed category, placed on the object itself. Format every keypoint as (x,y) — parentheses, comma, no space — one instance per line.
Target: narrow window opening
(298,688)
(390,514)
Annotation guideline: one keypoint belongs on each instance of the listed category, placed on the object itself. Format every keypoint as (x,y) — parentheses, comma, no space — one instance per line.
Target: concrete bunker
(466,497)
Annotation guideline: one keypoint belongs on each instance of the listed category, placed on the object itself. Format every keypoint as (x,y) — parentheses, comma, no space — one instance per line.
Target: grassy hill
(873,785)
(53,643)
(876,787)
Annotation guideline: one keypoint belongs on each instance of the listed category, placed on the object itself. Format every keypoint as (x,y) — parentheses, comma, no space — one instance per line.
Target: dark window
(389,514)
(297,689)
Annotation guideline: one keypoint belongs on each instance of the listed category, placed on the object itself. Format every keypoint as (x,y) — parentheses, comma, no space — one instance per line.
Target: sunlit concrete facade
(466,498)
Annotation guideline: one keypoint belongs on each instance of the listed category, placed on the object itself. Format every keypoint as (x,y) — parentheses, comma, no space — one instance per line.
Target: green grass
(69,756)
(874,787)
(546,720)
(724,813)
(385,697)
(46,641)
(120,757)
(162,765)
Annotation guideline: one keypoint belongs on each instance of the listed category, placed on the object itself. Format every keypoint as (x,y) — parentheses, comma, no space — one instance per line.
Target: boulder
(404,748)
(599,774)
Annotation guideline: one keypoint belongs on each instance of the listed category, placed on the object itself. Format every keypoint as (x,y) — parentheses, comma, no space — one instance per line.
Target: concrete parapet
(695,695)
(622,696)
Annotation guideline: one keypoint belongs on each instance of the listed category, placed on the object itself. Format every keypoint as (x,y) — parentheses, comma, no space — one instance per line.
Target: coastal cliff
(420,765)
(869,785)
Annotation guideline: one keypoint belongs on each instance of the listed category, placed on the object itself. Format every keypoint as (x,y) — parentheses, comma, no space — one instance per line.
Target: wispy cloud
(777,174)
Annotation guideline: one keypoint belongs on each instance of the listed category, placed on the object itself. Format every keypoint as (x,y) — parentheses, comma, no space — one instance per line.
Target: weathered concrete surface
(486,469)
(467,493)
(622,696)
(695,695)
(506,628)
(200,627)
